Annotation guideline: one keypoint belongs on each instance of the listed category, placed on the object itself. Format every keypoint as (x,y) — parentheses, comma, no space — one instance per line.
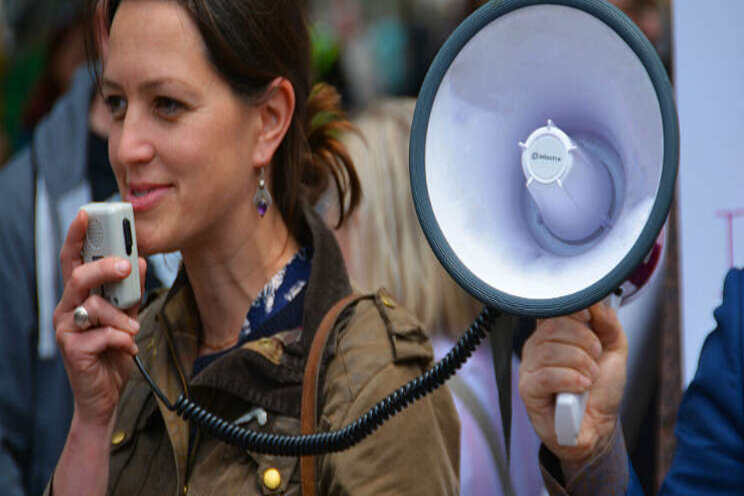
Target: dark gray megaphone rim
(646,53)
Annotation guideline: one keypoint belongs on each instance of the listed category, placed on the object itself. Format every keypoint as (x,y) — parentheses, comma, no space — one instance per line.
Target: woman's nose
(133,143)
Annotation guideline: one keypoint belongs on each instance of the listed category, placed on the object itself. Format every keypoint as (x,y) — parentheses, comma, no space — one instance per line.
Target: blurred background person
(65,53)
(384,247)
(41,189)
(64,166)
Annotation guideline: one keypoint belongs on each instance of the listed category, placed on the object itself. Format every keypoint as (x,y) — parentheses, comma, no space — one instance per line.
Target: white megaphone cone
(570,225)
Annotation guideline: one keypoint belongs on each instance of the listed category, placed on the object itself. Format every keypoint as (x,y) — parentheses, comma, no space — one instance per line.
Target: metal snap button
(118,438)
(272,479)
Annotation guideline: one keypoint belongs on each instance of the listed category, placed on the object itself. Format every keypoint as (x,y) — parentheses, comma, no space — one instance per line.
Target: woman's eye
(168,107)
(117,105)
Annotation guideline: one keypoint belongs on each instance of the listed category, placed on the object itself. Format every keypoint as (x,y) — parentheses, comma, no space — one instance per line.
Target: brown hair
(386,245)
(252,42)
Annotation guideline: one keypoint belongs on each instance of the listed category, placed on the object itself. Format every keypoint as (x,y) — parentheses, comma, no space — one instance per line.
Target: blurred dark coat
(41,190)
(38,196)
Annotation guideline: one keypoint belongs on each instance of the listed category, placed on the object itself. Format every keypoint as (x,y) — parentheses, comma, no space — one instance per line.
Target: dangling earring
(262,198)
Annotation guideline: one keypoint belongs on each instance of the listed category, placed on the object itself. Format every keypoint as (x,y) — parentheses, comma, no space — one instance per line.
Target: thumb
(608,329)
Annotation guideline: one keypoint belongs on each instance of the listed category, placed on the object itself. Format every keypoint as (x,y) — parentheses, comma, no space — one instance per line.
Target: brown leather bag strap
(310,381)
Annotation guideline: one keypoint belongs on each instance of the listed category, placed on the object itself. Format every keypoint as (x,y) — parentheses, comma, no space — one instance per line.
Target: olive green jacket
(374,348)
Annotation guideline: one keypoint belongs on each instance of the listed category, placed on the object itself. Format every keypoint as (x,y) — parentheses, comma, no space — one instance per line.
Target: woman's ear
(275,114)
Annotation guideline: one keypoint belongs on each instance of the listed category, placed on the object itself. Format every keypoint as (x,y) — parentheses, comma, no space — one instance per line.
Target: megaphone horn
(543,155)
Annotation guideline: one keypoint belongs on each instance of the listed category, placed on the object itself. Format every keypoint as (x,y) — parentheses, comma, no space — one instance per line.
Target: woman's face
(181,143)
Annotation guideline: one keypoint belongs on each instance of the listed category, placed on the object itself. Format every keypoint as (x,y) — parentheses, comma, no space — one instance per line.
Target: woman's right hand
(98,359)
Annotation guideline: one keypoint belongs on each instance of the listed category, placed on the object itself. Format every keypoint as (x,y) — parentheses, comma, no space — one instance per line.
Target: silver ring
(80,315)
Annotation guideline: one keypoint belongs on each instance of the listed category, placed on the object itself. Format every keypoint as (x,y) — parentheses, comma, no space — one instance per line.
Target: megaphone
(543,158)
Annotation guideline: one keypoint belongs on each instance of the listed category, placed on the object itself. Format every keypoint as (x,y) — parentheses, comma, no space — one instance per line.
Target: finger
(91,275)
(564,330)
(607,328)
(553,354)
(96,341)
(70,254)
(101,313)
(582,316)
(541,385)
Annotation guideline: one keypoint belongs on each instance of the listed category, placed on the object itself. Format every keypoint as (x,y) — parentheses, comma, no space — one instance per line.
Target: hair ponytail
(329,158)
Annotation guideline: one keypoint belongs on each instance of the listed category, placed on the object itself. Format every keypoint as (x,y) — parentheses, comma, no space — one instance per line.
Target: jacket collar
(328,282)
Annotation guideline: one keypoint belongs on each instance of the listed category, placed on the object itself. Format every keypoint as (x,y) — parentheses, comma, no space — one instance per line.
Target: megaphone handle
(569,413)
(570,407)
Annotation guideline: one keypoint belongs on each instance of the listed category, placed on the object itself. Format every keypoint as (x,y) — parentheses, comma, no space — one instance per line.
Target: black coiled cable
(342,439)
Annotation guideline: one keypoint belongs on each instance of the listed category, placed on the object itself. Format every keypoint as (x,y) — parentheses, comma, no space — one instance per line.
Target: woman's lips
(144,197)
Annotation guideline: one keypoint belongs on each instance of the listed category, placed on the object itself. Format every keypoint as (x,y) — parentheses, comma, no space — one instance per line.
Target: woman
(210,142)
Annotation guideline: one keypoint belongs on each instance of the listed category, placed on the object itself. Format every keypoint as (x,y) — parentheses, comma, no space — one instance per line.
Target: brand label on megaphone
(540,156)
(547,159)
(573,190)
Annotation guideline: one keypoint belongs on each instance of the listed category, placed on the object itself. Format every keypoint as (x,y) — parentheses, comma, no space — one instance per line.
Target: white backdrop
(709,82)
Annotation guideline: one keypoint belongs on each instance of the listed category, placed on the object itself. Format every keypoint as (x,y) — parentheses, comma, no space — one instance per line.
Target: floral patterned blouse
(278,306)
